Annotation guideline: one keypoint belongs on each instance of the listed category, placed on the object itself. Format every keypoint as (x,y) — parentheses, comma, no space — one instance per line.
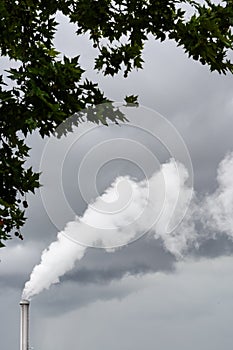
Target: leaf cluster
(120,29)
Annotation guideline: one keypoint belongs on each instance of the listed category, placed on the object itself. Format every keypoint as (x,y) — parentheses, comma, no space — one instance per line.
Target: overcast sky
(139,296)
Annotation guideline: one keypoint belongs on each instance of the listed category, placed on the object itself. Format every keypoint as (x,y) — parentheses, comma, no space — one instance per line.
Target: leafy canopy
(45,89)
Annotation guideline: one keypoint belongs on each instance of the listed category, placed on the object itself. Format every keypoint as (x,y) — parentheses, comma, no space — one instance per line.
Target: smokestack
(24,325)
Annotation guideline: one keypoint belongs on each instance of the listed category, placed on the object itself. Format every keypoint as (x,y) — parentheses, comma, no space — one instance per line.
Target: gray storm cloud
(128,209)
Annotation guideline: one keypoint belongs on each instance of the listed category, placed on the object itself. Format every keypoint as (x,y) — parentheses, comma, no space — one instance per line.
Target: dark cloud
(212,248)
(143,256)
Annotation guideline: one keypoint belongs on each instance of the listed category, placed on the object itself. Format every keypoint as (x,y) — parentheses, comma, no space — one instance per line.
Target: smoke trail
(123,213)
(217,209)
(128,209)
(59,258)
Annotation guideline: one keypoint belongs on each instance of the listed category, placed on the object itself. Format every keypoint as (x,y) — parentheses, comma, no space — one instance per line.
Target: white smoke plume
(217,209)
(59,258)
(124,212)
(128,209)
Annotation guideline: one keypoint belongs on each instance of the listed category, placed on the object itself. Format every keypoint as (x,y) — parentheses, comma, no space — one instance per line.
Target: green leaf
(132,99)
